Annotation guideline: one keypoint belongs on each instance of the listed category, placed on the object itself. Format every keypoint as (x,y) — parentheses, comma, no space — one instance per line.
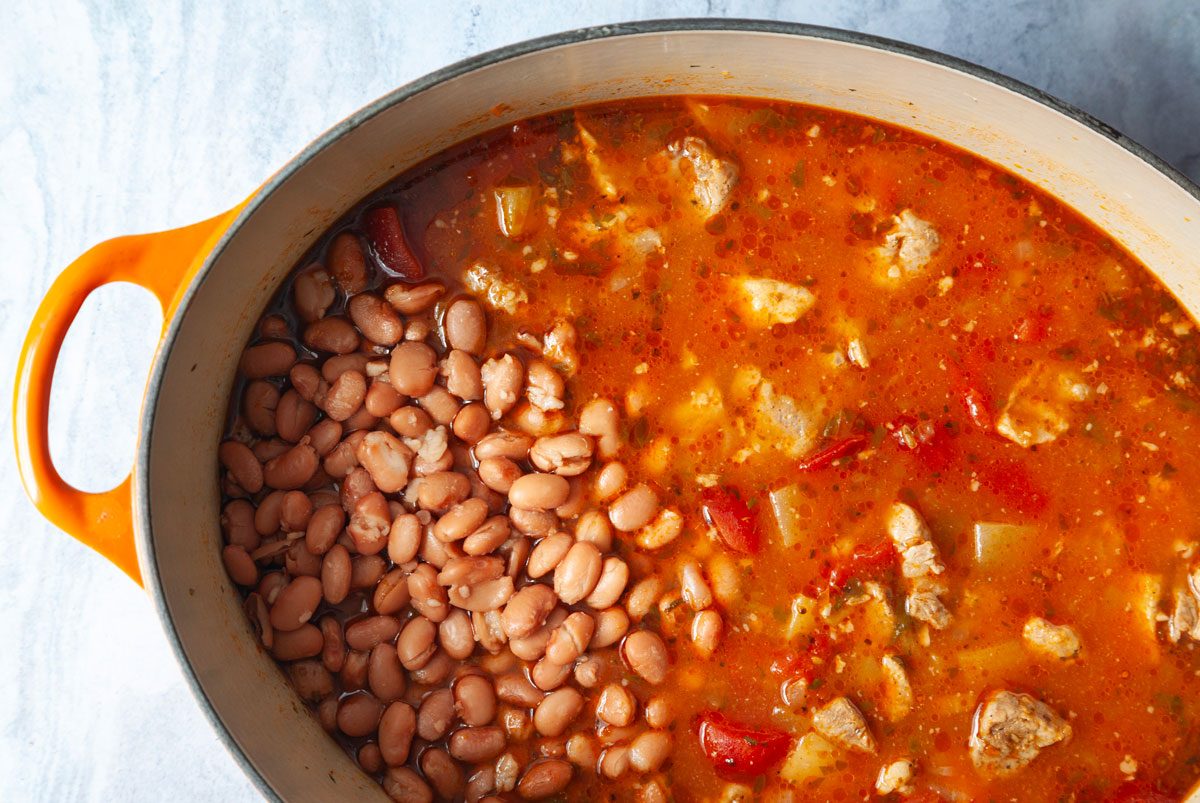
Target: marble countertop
(115,118)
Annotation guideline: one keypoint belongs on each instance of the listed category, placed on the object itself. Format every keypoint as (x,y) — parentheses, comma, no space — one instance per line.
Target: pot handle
(163,263)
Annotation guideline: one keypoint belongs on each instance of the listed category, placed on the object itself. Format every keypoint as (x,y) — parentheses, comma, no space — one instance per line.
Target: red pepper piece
(386,235)
(733,520)
(864,561)
(834,451)
(738,749)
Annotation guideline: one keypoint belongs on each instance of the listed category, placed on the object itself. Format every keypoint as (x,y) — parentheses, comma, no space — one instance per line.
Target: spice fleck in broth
(713,449)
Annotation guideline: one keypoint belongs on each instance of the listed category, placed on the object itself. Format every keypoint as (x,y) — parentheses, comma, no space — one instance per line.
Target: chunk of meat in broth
(1047,638)
(1010,731)
(840,721)
(920,564)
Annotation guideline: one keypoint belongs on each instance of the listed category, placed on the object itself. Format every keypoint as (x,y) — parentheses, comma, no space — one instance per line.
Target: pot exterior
(1150,212)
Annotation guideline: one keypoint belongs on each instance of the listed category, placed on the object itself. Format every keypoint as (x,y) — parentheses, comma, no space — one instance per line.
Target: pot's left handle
(163,263)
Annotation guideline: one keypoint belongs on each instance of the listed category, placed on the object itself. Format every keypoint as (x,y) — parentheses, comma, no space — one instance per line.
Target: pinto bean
(366,571)
(312,293)
(306,380)
(339,364)
(706,631)
(544,779)
(568,454)
(370,523)
(296,604)
(548,675)
(435,715)
(259,400)
(442,490)
(695,589)
(489,535)
(428,598)
(578,573)
(533,523)
(456,635)
(471,423)
(538,492)
(461,520)
(570,639)
(295,510)
(311,680)
(576,500)
(382,399)
(527,610)
(418,330)
(376,319)
(646,654)
(387,459)
(365,634)
(611,481)
(436,552)
(441,405)
(293,468)
(303,642)
(324,526)
(634,508)
(396,728)
(413,368)
(599,419)
(611,626)
(503,443)
(442,771)
(345,396)
(557,710)
(502,381)
(404,785)
(347,263)
(435,671)
(581,751)
(415,645)
(336,574)
(239,565)
(642,597)
(614,575)
(299,561)
(477,744)
(267,359)
(404,538)
(614,762)
(658,712)
(465,326)
(242,465)
(333,651)
(370,758)
(331,335)
(475,700)
(355,486)
(385,678)
(649,750)
(545,386)
(548,554)
(412,299)
(489,595)
(410,422)
(499,473)
(237,523)
(470,570)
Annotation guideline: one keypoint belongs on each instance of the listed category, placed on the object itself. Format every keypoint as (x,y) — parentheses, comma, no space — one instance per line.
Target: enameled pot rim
(141,499)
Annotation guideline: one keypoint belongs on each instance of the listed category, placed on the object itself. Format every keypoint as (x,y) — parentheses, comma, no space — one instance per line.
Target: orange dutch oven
(213,279)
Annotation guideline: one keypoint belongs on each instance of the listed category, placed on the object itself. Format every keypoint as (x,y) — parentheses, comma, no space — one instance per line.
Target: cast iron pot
(213,279)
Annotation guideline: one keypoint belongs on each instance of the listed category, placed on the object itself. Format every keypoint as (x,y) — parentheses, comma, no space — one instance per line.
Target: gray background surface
(119,117)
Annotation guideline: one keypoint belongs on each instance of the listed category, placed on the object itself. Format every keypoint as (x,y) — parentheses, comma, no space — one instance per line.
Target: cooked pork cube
(908,247)
(485,281)
(1059,641)
(1011,729)
(1185,617)
(714,177)
(898,693)
(559,347)
(895,777)
(925,605)
(762,303)
(1039,404)
(842,722)
(906,527)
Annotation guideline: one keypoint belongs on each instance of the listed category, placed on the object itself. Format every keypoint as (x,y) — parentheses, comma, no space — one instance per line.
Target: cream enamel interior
(1155,218)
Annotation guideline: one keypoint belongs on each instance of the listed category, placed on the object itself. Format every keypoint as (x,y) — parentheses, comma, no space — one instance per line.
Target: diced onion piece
(785,504)
(512,209)
(998,544)
(811,758)
(802,618)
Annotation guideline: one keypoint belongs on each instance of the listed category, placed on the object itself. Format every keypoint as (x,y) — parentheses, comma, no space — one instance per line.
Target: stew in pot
(720,450)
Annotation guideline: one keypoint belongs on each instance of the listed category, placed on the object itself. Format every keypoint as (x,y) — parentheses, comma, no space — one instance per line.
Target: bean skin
(548,675)
(366,571)
(376,319)
(336,574)
(412,299)
(416,645)
(471,423)
(568,454)
(333,651)
(382,399)
(558,710)
(528,609)
(331,335)
(461,520)
(503,443)
(347,263)
(293,468)
(428,598)
(311,680)
(364,634)
(616,706)
(355,670)
(387,459)
(502,381)
(237,523)
(435,671)
(634,508)
(396,728)
(539,492)
(475,700)
(370,523)
(239,565)
(578,573)
(391,595)
(499,473)
(548,553)
(614,576)
(477,744)
(599,419)
(435,715)
(324,526)
(649,750)
(611,626)
(404,538)
(442,490)
(706,631)
(303,642)
(384,675)
(404,785)
(345,396)
(442,771)
(456,635)
(259,400)
(571,638)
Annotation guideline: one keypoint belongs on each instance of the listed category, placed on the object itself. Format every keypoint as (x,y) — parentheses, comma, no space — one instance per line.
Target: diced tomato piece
(731,517)
(738,749)
(834,451)
(864,561)
(1011,481)
(805,664)
(386,235)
